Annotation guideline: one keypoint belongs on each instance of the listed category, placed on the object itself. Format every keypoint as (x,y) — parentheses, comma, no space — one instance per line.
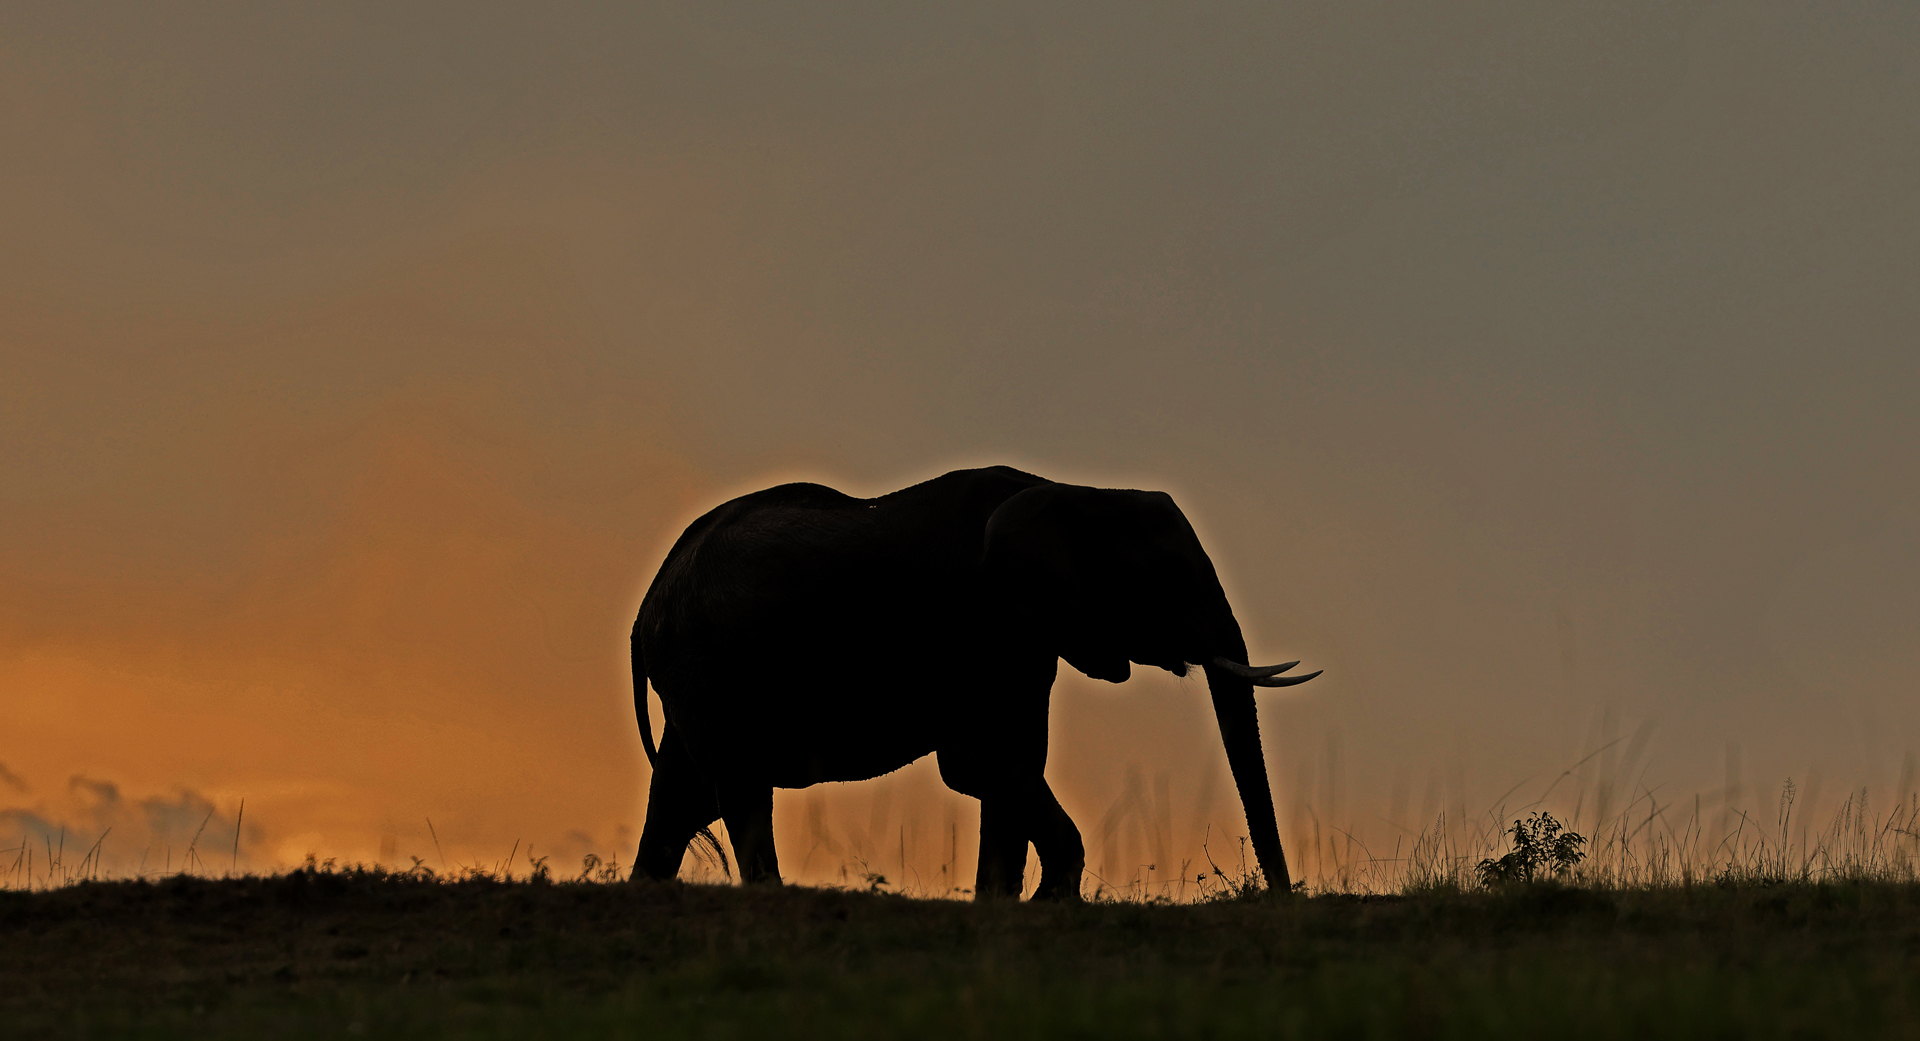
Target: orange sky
(1545,376)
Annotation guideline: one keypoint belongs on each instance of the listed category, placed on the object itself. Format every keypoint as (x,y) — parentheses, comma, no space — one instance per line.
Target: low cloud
(96,830)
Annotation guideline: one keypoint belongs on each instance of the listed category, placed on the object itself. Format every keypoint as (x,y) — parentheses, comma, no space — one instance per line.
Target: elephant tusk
(1248,672)
(1285,681)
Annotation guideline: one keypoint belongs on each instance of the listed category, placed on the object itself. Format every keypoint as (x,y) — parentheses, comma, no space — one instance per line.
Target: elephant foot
(1057,892)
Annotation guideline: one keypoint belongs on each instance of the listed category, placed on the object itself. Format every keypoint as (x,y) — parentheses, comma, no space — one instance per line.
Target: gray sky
(1542,372)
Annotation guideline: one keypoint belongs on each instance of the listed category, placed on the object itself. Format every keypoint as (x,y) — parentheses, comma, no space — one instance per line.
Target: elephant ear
(1039,571)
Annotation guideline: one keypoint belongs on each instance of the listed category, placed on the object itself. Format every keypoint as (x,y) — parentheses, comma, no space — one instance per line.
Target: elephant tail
(640,708)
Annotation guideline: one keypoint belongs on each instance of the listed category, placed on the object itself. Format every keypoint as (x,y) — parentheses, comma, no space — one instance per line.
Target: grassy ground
(331,954)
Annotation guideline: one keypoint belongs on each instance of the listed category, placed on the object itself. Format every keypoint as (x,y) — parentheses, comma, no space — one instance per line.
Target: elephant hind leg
(680,802)
(1003,849)
(747,808)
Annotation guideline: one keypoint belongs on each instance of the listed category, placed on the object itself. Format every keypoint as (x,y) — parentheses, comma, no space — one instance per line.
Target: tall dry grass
(1651,844)
(1640,842)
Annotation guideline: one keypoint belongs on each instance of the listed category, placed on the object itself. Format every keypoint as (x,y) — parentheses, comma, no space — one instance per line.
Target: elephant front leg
(1007,823)
(997,753)
(1063,857)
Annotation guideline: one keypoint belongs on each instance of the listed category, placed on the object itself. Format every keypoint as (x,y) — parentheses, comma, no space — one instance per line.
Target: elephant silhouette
(799,635)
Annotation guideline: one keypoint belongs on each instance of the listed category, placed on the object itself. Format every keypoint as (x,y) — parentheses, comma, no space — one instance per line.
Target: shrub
(1542,848)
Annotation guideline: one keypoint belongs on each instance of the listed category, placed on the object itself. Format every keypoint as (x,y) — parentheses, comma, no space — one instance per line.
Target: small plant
(313,866)
(1542,849)
(1222,887)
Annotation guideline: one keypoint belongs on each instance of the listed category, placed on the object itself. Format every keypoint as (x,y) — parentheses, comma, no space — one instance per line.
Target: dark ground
(319,954)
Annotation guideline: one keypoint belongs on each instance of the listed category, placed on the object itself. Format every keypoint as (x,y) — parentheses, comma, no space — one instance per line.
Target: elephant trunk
(1239,720)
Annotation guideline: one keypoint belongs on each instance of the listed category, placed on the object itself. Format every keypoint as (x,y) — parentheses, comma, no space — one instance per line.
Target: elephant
(797,635)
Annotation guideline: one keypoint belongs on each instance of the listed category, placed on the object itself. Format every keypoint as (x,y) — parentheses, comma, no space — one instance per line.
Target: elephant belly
(807,765)
(795,734)
(828,686)
(847,734)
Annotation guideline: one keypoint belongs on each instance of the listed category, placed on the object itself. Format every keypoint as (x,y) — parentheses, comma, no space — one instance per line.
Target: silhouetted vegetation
(1656,927)
(1541,849)
(320,952)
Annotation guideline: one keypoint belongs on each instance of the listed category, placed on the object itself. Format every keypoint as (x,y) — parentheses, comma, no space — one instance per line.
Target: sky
(1544,373)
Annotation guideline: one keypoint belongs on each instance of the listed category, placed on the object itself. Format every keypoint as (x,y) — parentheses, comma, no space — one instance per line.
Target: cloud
(25,826)
(97,830)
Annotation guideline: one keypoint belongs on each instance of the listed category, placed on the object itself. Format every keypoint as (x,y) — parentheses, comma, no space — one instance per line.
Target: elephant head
(1105,578)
